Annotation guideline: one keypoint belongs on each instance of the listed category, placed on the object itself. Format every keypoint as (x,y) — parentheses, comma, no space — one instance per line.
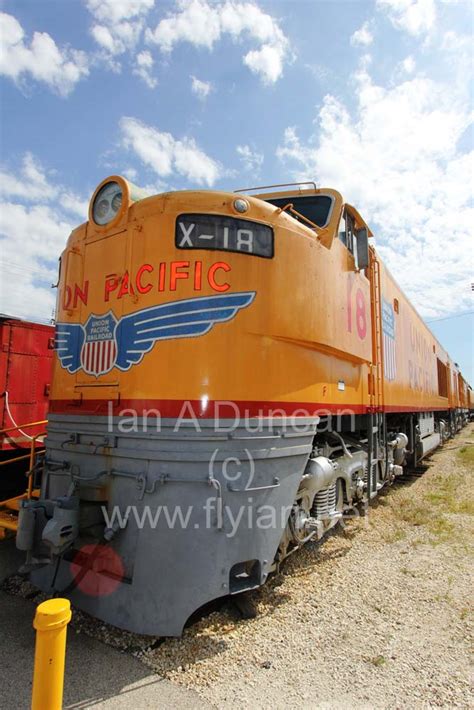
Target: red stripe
(175,408)
(389,408)
(179,407)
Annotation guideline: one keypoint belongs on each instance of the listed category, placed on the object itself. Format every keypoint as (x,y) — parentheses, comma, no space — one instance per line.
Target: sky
(372,98)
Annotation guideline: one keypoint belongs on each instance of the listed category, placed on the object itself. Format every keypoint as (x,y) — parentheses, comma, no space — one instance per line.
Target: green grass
(466,454)
(378,661)
(394,535)
(430,502)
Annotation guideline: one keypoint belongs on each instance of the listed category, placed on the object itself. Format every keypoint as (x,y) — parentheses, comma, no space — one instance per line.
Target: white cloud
(144,67)
(202,89)
(113,11)
(130,173)
(116,39)
(32,236)
(166,155)
(363,37)
(42,59)
(417,17)
(396,158)
(31,184)
(202,24)
(252,160)
(408,65)
(119,23)
(267,61)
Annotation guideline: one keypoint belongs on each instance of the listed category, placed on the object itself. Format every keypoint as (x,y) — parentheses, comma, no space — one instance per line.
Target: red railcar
(25,373)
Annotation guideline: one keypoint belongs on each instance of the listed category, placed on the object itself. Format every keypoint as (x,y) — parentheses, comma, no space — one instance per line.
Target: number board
(222,233)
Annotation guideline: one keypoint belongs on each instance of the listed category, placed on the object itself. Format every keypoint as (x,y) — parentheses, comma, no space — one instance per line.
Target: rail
(289,207)
(283,184)
(23,426)
(31,455)
(9,508)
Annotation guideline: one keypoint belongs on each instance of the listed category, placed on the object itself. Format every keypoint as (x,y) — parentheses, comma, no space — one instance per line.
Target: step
(8,521)
(14,503)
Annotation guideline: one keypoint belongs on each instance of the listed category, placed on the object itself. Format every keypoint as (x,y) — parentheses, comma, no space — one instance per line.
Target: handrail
(29,491)
(290,208)
(23,426)
(320,231)
(17,458)
(30,455)
(283,184)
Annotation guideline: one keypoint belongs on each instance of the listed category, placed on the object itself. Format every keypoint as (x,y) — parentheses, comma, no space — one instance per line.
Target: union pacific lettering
(165,276)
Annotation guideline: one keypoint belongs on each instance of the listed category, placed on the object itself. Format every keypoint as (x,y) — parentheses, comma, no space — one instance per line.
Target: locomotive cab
(314,209)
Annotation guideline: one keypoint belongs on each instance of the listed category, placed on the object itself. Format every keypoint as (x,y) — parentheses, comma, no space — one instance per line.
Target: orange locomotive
(234,373)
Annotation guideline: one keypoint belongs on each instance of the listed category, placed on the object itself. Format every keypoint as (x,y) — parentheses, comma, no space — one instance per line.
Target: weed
(441,527)
(378,661)
(394,535)
(466,454)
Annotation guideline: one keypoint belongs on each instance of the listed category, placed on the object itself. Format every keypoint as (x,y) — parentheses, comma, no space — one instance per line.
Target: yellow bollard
(51,620)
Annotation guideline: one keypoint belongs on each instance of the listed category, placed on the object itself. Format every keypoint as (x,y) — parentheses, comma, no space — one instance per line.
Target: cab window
(316,208)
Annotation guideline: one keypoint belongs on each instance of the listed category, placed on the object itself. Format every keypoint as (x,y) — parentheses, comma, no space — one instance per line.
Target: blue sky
(372,98)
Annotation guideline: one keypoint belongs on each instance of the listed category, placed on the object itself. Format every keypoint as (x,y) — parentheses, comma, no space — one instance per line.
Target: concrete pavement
(97,676)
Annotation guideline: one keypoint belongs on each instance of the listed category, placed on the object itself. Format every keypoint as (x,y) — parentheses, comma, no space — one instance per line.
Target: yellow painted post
(51,620)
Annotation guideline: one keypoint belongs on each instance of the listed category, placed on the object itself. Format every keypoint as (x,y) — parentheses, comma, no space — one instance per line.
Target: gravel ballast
(378,615)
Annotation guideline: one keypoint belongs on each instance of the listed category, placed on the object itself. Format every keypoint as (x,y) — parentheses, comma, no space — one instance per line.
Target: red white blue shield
(99,350)
(389,341)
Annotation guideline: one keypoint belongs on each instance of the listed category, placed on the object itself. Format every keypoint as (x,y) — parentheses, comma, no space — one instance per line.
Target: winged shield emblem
(105,342)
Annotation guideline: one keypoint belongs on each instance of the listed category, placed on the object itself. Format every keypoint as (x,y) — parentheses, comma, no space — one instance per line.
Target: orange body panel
(305,340)
(414,385)
(301,341)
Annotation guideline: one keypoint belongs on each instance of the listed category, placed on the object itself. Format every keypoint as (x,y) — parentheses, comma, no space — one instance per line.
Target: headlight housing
(107,203)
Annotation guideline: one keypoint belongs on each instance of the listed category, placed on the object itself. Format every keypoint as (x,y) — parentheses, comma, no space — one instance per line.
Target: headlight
(107,203)
(117,201)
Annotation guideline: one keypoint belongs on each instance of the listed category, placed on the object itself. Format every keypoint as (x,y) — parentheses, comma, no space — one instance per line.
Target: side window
(350,232)
(342,229)
(347,234)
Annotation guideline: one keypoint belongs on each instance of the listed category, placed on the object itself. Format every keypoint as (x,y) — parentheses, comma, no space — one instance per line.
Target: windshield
(314,207)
